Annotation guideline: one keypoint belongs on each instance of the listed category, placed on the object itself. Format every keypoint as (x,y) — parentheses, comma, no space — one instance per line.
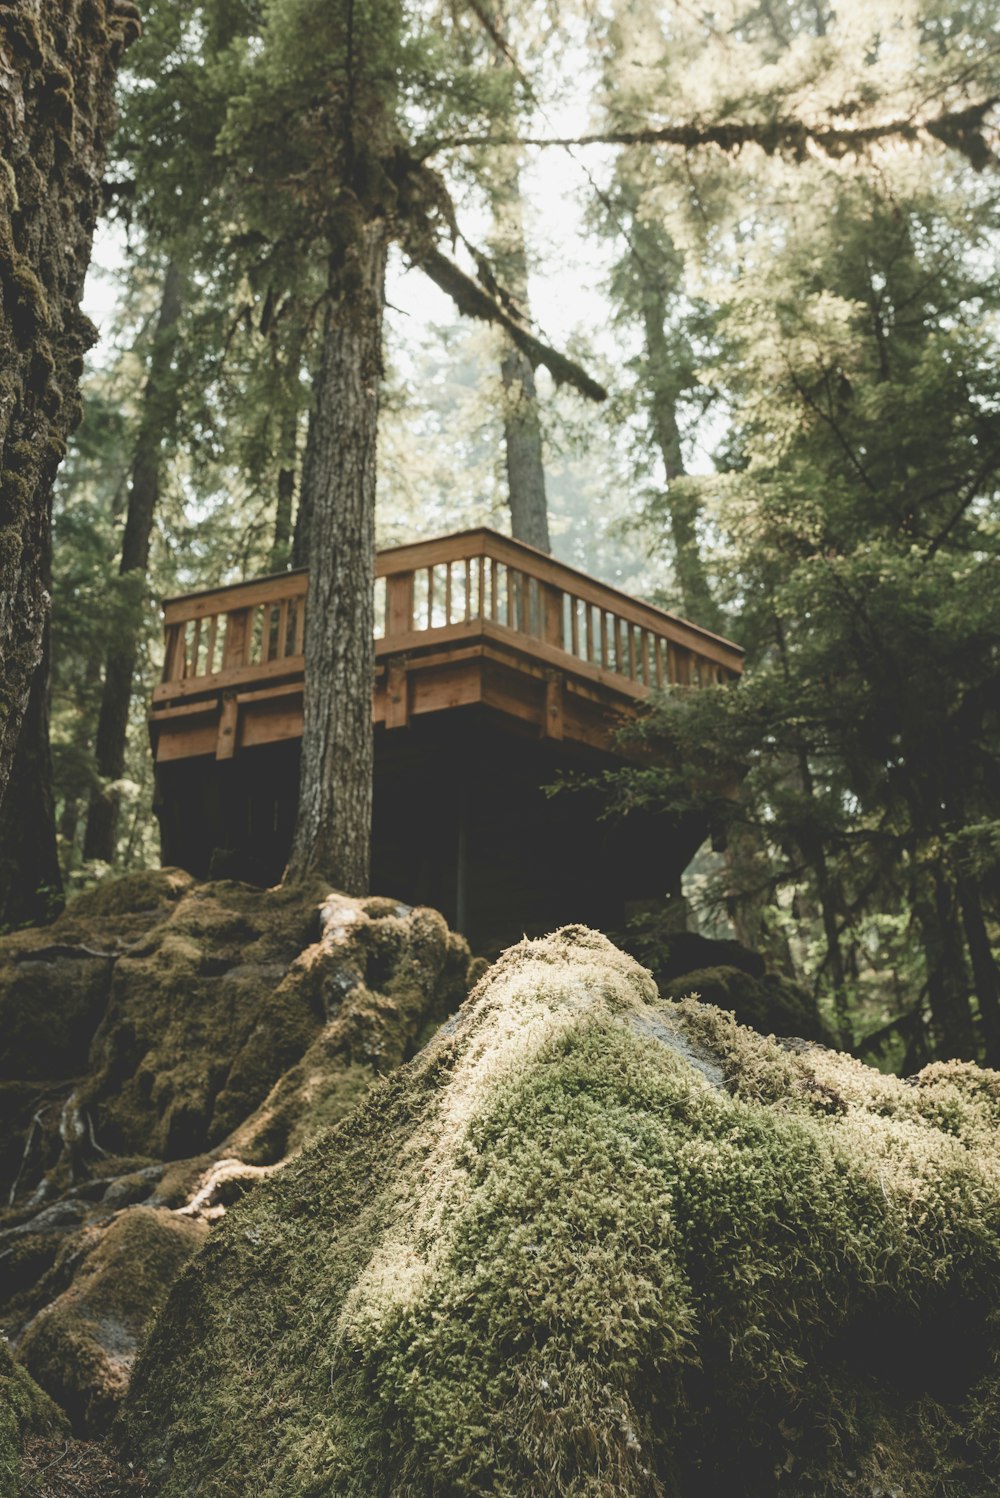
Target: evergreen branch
(834,426)
(972,490)
(499,41)
(961,130)
(475,300)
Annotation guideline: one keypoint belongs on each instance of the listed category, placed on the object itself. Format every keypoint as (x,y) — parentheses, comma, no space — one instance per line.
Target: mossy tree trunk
(100,840)
(333,828)
(58,60)
(30,877)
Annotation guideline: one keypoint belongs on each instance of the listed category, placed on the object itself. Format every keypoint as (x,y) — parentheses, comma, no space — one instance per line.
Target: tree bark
(984,966)
(281,548)
(31,889)
(333,827)
(522,428)
(100,839)
(696,595)
(303,513)
(58,60)
(938,918)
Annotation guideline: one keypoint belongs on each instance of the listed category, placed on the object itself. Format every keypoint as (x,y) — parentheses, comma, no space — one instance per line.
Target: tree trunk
(333,827)
(31,890)
(529,515)
(522,428)
(984,966)
(100,839)
(303,514)
(58,60)
(281,549)
(696,595)
(935,908)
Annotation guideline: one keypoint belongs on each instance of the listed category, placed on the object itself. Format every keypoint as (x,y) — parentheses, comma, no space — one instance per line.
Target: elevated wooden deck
(498,670)
(470,618)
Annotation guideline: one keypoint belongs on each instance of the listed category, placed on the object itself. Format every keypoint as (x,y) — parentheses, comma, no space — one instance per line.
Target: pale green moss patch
(591,1242)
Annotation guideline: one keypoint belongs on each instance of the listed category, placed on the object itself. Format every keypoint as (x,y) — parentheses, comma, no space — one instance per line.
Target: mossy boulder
(81,1347)
(769,1003)
(167,1044)
(731,976)
(25,1411)
(593,1242)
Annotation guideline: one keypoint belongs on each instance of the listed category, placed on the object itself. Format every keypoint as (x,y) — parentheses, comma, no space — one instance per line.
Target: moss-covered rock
(25,1411)
(591,1242)
(81,1347)
(166,1044)
(767,1003)
(729,975)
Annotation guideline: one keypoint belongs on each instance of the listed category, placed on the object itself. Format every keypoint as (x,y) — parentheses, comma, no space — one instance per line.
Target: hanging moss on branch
(593,1242)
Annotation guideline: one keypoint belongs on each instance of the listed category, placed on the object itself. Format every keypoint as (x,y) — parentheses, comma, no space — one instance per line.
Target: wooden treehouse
(498,670)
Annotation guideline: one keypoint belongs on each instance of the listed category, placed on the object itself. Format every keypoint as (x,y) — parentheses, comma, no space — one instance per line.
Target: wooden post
(462,857)
(552,602)
(225,744)
(553,705)
(399,611)
(234,650)
(397,700)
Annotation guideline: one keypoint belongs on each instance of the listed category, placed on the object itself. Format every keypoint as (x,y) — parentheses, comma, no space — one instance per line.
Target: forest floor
(60,1467)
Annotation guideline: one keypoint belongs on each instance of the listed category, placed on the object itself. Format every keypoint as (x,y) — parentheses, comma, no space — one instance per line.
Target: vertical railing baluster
(552,611)
(213,625)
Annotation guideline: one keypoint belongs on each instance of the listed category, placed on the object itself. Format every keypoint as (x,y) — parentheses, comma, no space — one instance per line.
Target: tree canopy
(788,214)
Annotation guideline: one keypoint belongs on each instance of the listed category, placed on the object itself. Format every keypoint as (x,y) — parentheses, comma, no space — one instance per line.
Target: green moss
(48,1014)
(144,892)
(594,1243)
(27,304)
(81,1347)
(8,186)
(767,1003)
(184,1040)
(24,1411)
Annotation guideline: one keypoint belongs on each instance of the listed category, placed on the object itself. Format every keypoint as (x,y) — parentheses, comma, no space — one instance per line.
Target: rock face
(162,1046)
(592,1242)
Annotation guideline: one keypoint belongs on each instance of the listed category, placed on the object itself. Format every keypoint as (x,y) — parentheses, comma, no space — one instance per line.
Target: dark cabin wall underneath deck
(461,823)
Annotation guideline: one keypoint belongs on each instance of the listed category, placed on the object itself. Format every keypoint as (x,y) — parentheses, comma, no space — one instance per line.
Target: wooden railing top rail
(485,542)
(460,546)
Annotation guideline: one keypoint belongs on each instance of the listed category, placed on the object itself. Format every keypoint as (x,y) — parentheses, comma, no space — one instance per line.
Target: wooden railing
(443,592)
